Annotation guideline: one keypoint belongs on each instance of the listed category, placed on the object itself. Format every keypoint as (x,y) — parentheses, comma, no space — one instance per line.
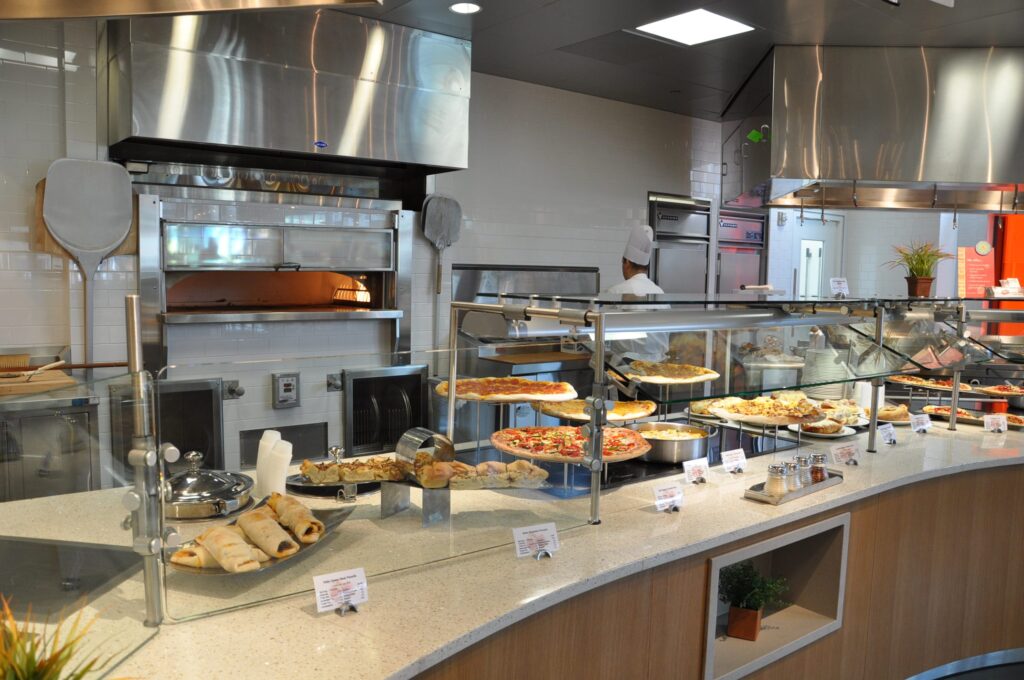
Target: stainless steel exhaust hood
(323,89)
(896,127)
(88,9)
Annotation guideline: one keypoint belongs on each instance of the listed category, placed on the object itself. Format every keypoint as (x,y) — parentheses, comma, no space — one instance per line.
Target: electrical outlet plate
(284,391)
(230,390)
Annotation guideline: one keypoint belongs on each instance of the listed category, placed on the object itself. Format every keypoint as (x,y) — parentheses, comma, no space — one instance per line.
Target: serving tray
(331,518)
(756,492)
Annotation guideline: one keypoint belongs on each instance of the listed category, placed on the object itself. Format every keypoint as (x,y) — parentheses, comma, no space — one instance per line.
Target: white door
(819,255)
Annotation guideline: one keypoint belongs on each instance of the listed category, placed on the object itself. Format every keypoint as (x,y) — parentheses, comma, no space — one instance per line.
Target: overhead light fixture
(693,28)
(465,8)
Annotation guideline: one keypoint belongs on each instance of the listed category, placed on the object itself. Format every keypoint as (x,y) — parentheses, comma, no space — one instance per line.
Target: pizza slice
(663,373)
(508,390)
(1002,390)
(574,409)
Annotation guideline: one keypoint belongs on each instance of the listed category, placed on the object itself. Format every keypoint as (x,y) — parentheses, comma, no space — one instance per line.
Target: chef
(636,263)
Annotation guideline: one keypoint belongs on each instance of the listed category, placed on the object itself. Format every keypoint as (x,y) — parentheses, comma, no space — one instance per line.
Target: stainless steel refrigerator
(742,249)
(682,243)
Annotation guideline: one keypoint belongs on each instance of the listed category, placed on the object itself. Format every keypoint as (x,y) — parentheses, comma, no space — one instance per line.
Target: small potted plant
(41,652)
(919,260)
(748,593)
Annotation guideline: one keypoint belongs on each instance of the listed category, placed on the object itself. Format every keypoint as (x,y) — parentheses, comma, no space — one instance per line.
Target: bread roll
(434,475)
(228,549)
(261,526)
(297,517)
(826,426)
(524,474)
(493,474)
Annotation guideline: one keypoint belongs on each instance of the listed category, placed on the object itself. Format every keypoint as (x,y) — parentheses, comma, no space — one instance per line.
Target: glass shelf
(752,361)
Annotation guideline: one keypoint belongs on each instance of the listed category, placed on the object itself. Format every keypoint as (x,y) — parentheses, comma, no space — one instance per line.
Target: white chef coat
(654,346)
(636,285)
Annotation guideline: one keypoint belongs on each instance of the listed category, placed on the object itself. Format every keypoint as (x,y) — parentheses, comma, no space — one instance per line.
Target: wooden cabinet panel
(933,575)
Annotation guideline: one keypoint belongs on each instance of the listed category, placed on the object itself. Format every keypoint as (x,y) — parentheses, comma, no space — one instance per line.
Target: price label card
(995,422)
(843,454)
(340,589)
(696,470)
(839,285)
(531,540)
(668,495)
(888,433)
(1010,283)
(920,422)
(734,460)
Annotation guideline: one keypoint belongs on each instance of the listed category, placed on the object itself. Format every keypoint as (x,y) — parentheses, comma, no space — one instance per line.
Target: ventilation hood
(89,9)
(289,89)
(872,127)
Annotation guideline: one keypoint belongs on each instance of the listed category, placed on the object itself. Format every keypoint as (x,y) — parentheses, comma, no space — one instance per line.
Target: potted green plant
(748,593)
(919,260)
(40,652)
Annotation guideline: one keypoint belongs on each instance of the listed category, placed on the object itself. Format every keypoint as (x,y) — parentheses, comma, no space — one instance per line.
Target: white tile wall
(48,111)
(558,178)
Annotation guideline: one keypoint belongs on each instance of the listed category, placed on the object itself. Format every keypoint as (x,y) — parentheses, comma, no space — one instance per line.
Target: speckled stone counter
(419,616)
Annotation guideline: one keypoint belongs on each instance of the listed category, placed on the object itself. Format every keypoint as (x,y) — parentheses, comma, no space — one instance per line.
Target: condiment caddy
(794,479)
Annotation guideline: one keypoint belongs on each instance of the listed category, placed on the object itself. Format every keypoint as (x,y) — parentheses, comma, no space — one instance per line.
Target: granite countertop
(419,616)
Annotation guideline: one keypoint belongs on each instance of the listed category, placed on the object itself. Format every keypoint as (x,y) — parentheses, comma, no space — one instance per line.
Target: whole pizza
(1002,390)
(564,444)
(947,384)
(662,373)
(508,390)
(909,380)
(961,414)
(768,411)
(573,409)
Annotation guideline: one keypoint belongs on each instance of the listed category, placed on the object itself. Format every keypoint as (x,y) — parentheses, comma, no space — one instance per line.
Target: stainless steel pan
(676,451)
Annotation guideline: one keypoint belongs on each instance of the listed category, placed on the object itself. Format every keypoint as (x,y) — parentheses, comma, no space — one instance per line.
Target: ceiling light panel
(693,28)
(465,8)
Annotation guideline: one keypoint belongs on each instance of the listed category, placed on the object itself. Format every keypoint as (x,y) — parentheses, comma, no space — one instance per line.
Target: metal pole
(144,500)
(453,364)
(597,419)
(961,321)
(876,383)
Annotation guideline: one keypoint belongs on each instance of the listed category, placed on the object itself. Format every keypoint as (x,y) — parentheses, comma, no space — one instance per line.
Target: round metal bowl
(678,450)
(197,493)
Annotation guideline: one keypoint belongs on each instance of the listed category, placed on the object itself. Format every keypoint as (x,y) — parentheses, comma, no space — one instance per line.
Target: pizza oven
(219,256)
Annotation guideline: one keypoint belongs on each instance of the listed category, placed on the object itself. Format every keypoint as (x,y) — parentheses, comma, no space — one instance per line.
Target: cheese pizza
(1003,390)
(662,373)
(618,412)
(508,390)
(962,415)
(768,411)
(565,444)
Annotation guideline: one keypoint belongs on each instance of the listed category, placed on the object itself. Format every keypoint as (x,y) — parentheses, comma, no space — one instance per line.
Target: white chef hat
(638,247)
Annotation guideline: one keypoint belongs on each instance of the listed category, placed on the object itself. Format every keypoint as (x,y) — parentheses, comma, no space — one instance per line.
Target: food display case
(674,383)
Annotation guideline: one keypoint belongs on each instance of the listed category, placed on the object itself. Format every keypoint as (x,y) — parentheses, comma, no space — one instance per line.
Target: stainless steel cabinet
(682,266)
(48,452)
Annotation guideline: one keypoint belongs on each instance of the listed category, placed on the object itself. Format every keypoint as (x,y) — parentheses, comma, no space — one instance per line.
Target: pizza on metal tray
(508,390)
(664,373)
(573,410)
(565,444)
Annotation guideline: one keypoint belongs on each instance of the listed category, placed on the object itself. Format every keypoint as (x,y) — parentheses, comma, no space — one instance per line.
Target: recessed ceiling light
(693,28)
(465,8)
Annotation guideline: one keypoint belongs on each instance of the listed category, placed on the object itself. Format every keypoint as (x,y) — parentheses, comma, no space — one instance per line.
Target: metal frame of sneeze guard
(146,521)
(600,322)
